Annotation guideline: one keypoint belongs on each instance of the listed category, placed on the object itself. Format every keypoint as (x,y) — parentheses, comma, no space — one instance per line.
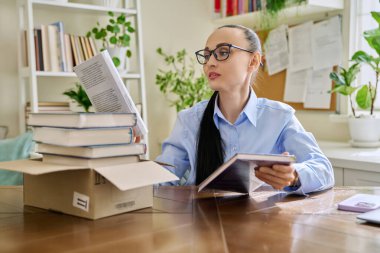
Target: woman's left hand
(278,176)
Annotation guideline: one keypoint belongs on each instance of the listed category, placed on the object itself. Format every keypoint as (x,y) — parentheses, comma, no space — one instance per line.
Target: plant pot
(364,131)
(120,53)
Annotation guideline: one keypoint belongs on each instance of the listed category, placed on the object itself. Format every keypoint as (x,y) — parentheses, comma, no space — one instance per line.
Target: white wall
(170,24)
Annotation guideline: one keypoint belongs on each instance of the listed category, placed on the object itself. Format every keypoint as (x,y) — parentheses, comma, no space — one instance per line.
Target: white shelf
(83,8)
(25,73)
(72,74)
(311,10)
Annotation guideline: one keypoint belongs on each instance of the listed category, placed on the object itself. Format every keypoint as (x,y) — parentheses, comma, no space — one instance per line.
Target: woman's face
(233,73)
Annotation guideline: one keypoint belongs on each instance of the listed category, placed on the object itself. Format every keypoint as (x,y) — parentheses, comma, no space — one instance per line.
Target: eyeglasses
(221,53)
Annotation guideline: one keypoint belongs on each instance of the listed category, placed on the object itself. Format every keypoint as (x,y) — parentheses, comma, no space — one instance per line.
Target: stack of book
(86,139)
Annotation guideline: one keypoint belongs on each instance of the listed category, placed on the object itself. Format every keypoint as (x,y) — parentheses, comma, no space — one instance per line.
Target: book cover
(360,203)
(82,137)
(237,174)
(98,151)
(106,89)
(82,120)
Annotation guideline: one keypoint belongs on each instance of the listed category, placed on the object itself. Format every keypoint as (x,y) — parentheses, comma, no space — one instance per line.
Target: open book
(106,90)
(237,174)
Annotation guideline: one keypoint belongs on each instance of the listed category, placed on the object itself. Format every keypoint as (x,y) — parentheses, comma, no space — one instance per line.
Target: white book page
(300,50)
(276,50)
(106,90)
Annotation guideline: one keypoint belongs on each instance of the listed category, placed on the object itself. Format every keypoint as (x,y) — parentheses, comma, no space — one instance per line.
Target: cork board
(273,87)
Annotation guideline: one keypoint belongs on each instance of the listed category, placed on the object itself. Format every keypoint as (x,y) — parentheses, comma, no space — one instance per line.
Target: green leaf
(116,29)
(116,61)
(337,78)
(376,16)
(130,29)
(113,40)
(121,19)
(362,57)
(128,53)
(112,21)
(373,39)
(363,97)
(110,13)
(88,34)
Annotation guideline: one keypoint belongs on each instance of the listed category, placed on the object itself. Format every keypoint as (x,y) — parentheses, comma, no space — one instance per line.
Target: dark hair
(210,147)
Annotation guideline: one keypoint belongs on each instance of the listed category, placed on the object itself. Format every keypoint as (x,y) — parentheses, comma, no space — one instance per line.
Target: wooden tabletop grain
(183,221)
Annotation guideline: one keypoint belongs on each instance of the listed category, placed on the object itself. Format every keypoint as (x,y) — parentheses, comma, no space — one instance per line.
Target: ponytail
(210,151)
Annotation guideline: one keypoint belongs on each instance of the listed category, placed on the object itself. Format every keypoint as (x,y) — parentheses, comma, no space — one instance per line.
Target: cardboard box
(89,193)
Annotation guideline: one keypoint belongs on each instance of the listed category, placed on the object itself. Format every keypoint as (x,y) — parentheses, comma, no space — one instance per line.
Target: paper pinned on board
(276,50)
(326,43)
(300,54)
(295,85)
(317,90)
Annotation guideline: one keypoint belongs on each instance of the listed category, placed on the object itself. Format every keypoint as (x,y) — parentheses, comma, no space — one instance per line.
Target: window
(366,22)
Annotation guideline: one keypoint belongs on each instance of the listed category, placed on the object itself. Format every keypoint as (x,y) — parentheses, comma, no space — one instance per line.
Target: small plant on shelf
(115,36)
(79,96)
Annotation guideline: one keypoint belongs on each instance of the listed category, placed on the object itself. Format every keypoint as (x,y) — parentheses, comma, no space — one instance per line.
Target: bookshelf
(310,10)
(30,12)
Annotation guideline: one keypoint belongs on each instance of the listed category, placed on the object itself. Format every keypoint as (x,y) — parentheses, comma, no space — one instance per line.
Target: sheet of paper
(326,43)
(295,85)
(300,53)
(276,50)
(317,95)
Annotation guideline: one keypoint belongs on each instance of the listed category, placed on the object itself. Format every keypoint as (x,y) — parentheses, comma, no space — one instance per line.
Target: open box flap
(134,175)
(36,167)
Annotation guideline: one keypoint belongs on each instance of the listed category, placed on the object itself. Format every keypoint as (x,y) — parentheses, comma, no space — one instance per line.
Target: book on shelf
(98,151)
(45,47)
(360,203)
(106,89)
(82,120)
(53,48)
(237,174)
(74,137)
(90,162)
(68,53)
(60,45)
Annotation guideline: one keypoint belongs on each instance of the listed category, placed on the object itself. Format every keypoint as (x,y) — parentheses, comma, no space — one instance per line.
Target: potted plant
(364,129)
(115,38)
(79,96)
(180,80)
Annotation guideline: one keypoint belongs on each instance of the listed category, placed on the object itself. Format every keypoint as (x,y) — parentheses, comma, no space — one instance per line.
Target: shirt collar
(249,110)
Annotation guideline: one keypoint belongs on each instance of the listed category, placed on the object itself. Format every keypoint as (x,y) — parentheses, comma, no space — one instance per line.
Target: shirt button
(234,148)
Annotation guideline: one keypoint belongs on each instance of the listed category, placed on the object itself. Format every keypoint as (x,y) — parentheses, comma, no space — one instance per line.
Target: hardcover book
(82,120)
(360,203)
(82,137)
(237,174)
(90,162)
(98,151)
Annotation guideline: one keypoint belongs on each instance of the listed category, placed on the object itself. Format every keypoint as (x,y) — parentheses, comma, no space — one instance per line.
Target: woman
(234,121)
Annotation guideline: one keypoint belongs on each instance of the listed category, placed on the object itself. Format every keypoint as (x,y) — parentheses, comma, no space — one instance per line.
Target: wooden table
(183,221)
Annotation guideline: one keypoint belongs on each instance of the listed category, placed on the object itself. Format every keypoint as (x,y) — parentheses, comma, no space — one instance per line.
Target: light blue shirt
(263,127)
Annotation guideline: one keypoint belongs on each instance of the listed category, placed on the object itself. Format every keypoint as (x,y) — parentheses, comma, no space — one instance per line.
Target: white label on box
(81,201)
